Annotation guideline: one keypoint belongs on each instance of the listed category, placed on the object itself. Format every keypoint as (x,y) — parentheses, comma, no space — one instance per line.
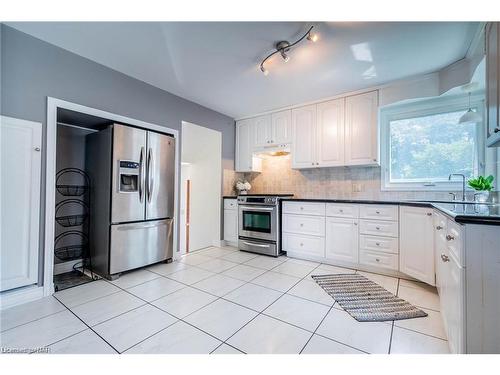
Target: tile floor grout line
(322,320)
(35,320)
(224,343)
(102,338)
(178,319)
(67,308)
(261,313)
(392,325)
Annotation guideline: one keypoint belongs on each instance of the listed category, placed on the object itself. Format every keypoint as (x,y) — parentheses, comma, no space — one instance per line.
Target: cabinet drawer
(230,204)
(376,243)
(304,208)
(342,210)
(379,228)
(303,224)
(380,212)
(378,259)
(307,245)
(455,241)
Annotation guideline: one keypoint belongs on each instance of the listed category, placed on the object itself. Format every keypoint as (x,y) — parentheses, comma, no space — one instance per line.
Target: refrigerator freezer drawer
(137,245)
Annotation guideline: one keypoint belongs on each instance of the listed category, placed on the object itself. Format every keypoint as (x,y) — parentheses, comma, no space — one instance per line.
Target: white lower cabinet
(416,243)
(303,224)
(304,245)
(230,221)
(450,281)
(378,259)
(342,239)
(454,298)
(335,234)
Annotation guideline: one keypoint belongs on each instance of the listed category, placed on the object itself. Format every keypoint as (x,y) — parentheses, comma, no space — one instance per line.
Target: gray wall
(32,70)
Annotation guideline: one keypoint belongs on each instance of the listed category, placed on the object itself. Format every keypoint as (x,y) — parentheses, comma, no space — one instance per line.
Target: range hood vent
(273,151)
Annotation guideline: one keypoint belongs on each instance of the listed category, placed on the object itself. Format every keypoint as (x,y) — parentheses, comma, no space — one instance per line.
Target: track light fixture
(284,47)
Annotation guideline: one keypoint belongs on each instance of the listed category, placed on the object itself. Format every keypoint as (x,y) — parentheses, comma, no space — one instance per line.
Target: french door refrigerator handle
(142,177)
(150,174)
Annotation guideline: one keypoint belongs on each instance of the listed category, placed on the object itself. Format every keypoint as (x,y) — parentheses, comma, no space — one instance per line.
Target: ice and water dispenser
(129,176)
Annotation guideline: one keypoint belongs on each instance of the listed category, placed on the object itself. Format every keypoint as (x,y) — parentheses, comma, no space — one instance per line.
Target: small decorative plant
(243,186)
(481,183)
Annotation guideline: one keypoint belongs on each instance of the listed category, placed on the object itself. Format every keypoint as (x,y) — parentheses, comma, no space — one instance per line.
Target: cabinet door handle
(445,258)
(439,227)
(429,213)
(496,130)
(377,259)
(449,237)
(301,224)
(377,212)
(377,243)
(377,228)
(341,210)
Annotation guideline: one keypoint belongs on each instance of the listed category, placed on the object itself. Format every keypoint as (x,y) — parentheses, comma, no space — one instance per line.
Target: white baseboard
(218,243)
(19,296)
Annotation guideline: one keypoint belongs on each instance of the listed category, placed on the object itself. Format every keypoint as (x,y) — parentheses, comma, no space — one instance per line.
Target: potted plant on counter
(483,186)
(243,186)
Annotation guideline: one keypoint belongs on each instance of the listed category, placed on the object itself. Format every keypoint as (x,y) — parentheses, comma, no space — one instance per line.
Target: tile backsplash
(277,176)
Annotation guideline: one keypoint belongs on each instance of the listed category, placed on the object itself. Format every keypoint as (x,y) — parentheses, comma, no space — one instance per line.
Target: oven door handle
(257,209)
(255,244)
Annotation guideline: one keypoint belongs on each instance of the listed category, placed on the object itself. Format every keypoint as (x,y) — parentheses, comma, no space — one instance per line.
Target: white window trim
(424,108)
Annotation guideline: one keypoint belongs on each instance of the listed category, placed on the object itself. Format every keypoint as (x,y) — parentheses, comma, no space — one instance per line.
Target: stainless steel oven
(259,224)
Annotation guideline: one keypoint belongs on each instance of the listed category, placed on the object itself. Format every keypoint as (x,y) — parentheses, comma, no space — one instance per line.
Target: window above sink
(422,143)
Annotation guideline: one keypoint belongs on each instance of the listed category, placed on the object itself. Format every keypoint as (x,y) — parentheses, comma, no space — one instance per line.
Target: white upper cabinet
(245,161)
(281,127)
(492,84)
(330,133)
(263,131)
(361,133)
(304,137)
(416,243)
(338,132)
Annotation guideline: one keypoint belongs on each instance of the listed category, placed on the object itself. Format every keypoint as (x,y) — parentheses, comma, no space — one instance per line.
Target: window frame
(426,108)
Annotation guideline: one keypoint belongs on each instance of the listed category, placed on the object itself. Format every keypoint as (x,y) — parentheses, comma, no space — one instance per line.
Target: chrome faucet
(463,183)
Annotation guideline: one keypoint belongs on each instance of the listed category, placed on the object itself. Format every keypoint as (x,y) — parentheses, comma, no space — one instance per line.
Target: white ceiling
(216,64)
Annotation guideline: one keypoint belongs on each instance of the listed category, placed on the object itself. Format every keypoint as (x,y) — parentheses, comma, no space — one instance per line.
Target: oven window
(257,221)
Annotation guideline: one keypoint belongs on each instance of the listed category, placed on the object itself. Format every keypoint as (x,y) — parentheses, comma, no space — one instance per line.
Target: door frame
(53,104)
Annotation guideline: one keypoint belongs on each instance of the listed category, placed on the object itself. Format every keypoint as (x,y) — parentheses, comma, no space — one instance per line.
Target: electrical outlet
(357,187)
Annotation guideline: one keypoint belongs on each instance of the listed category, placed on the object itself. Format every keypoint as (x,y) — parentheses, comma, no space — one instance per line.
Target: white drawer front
(380,212)
(307,245)
(455,241)
(304,208)
(379,228)
(376,243)
(342,210)
(230,204)
(378,259)
(303,224)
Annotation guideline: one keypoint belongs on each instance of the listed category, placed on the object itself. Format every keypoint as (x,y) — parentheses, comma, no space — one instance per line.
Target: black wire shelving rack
(72,214)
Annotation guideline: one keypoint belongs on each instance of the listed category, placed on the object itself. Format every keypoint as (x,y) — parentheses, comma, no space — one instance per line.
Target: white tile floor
(221,301)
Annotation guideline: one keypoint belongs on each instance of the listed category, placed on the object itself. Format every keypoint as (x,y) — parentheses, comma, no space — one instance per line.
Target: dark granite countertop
(229,196)
(465,213)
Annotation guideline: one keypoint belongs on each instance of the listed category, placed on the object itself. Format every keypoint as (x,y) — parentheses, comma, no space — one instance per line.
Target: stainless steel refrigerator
(131,198)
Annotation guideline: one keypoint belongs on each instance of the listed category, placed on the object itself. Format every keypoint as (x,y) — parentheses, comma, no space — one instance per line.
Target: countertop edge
(462,219)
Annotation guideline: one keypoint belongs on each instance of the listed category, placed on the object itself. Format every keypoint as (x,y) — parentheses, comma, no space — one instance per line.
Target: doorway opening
(201,181)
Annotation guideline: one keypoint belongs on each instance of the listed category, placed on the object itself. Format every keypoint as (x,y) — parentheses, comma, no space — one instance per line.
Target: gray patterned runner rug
(365,300)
